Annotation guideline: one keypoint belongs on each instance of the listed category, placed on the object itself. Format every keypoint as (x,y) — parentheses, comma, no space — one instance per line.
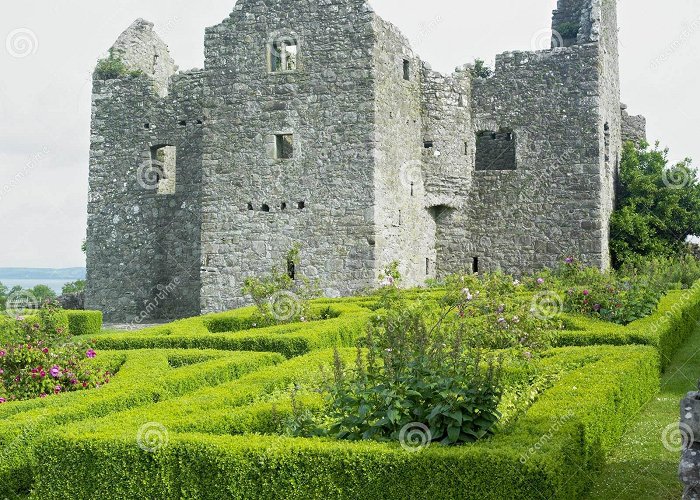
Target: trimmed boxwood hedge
(569,429)
(222,409)
(142,378)
(84,322)
(674,320)
(290,340)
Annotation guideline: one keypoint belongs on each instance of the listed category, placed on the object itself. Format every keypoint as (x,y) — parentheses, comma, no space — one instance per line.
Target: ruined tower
(315,123)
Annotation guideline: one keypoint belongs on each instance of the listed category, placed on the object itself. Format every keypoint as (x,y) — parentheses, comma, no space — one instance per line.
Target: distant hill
(27,273)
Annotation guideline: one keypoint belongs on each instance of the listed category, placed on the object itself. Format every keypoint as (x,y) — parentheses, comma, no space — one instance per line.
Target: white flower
(516,283)
(468,294)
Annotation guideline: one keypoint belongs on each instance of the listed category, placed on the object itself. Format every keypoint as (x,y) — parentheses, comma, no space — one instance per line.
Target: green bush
(658,206)
(112,67)
(416,373)
(666,329)
(290,340)
(84,322)
(142,378)
(568,429)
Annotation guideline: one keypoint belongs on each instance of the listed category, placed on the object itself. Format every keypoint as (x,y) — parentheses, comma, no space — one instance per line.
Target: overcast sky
(48,49)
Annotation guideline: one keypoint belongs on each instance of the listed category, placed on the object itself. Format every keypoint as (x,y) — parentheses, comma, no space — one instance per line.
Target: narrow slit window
(475,265)
(291,269)
(284,146)
(283,206)
(301,205)
(163,172)
(284,55)
(428,144)
(406,69)
(250,206)
(427,267)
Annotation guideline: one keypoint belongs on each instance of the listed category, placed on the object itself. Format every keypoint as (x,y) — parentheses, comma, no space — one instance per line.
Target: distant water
(54,284)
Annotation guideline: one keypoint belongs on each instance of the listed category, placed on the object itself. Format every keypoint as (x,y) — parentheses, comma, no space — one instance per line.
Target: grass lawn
(642,467)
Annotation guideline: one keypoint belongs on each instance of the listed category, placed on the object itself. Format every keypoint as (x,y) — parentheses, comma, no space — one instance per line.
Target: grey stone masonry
(634,128)
(689,470)
(314,122)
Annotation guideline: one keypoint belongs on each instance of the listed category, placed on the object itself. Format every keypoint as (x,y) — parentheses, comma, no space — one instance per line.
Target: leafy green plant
(112,67)
(568,29)
(610,295)
(282,296)
(413,374)
(658,206)
(481,70)
(74,287)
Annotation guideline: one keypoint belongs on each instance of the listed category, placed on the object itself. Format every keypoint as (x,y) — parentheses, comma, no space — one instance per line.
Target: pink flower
(91,353)
(42,395)
(540,281)
(55,371)
(57,389)
(2,354)
(586,292)
(45,350)
(3,400)
(569,260)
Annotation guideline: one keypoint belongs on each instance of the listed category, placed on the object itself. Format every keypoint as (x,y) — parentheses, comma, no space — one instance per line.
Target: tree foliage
(658,206)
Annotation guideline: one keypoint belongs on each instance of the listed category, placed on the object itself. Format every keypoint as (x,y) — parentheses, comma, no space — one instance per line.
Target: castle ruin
(314,122)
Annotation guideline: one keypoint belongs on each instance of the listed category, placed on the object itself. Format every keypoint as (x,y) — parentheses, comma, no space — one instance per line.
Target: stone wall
(328,105)
(379,163)
(689,431)
(634,128)
(525,219)
(142,245)
(402,225)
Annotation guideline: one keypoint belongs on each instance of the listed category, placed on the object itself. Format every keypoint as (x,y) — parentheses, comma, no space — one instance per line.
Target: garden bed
(571,426)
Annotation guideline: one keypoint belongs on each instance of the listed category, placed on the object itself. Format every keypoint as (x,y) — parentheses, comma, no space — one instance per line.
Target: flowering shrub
(41,359)
(498,313)
(415,375)
(608,295)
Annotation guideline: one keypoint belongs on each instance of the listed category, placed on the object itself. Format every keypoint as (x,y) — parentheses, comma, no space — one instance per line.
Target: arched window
(283,54)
